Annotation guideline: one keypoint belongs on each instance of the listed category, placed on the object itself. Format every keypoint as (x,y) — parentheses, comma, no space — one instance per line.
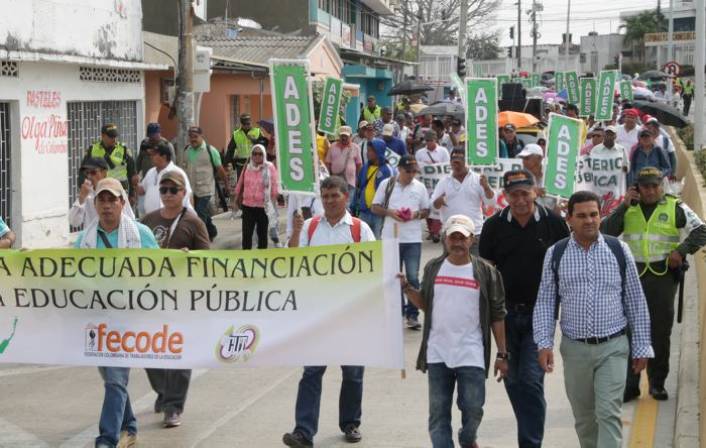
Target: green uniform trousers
(594,377)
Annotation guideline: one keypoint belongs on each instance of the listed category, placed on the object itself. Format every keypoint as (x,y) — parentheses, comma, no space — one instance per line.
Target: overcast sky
(586,15)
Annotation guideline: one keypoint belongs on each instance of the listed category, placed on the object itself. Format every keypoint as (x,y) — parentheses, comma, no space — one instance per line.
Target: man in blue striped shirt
(597,311)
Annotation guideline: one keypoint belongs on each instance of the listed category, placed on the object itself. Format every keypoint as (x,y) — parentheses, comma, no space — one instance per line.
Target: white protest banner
(494,174)
(604,95)
(330,105)
(430,174)
(563,146)
(293,112)
(482,121)
(202,309)
(604,175)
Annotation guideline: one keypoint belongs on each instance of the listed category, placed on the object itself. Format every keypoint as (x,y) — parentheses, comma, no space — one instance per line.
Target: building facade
(599,51)
(548,57)
(64,73)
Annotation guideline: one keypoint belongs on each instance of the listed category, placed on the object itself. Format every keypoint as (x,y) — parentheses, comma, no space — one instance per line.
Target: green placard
(604,95)
(503,79)
(536,79)
(562,151)
(626,90)
(559,81)
(482,121)
(330,104)
(588,96)
(293,116)
(572,84)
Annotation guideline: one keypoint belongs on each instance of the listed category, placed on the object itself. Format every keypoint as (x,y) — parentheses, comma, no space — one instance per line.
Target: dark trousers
(309,399)
(171,386)
(469,383)
(410,256)
(254,217)
(659,291)
(525,381)
(687,103)
(239,164)
(203,209)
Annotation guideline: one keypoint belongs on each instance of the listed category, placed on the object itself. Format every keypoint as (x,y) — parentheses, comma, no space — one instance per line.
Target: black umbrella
(444,108)
(409,87)
(667,115)
(653,74)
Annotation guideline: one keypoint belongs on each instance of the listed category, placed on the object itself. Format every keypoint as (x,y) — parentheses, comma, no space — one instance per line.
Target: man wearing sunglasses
(83,210)
(175,226)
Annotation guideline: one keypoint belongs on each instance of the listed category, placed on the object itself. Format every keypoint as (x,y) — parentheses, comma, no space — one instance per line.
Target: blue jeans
(525,381)
(309,399)
(471,398)
(410,256)
(116,414)
(373,220)
(202,205)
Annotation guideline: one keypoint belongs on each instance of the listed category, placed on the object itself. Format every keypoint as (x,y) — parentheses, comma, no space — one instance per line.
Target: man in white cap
(532,157)
(464,300)
(114,230)
(393,143)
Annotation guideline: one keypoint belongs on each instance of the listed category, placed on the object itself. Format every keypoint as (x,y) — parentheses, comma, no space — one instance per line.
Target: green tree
(482,46)
(651,21)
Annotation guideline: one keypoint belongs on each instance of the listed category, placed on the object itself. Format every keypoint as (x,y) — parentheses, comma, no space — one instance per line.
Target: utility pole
(566,42)
(670,48)
(462,29)
(404,29)
(184,101)
(535,34)
(419,38)
(699,71)
(519,36)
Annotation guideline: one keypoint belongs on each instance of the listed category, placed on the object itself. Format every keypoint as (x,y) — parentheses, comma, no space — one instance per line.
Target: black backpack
(559,249)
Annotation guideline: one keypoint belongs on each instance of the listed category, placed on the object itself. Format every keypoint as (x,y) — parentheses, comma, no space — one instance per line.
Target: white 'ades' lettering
(294,136)
(290,88)
(481,128)
(562,161)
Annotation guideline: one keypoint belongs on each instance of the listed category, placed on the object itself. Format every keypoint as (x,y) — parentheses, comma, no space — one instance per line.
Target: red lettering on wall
(49,134)
(43,99)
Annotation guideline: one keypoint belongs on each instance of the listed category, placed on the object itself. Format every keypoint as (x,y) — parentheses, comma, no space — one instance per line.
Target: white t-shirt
(455,337)
(413,196)
(153,201)
(463,198)
(625,138)
(426,156)
(340,233)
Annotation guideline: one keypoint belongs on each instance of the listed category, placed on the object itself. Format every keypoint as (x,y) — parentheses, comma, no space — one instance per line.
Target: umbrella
(642,93)
(444,108)
(519,119)
(409,87)
(636,83)
(666,114)
(653,74)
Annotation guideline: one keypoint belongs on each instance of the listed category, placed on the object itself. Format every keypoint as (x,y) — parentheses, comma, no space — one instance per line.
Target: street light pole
(462,29)
(566,40)
(670,48)
(699,81)
(519,36)
(419,38)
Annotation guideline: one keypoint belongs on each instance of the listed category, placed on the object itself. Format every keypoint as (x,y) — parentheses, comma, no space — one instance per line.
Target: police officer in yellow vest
(651,223)
(121,164)
(372,111)
(241,143)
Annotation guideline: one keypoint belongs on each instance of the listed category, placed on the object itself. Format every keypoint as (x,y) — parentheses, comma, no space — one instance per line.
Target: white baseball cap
(345,130)
(461,224)
(388,130)
(531,149)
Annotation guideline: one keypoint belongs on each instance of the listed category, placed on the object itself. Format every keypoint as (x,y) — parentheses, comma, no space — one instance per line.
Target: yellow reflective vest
(652,241)
(118,157)
(371,116)
(243,142)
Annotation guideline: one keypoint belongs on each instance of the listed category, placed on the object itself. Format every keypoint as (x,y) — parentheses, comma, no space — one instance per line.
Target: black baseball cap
(195,130)
(162,149)
(110,129)
(515,179)
(408,162)
(93,163)
(649,175)
(458,154)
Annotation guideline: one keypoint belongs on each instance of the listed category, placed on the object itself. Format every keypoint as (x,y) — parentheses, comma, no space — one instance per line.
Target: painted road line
(644,422)
(29,370)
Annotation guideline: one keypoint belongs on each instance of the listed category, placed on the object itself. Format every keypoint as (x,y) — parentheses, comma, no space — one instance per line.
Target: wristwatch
(501,355)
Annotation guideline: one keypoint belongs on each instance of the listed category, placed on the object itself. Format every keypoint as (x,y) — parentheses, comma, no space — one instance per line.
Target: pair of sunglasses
(171,190)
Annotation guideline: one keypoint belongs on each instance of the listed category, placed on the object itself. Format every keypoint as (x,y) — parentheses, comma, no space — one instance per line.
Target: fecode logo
(5,342)
(237,345)
(100,341)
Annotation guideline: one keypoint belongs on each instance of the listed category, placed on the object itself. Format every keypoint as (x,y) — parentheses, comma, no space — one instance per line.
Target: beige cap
(461,224)
(112,185)
(388,130)
(345,130)
(173,176)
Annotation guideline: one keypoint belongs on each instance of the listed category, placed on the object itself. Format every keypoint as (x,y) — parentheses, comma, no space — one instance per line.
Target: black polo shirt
(518,252)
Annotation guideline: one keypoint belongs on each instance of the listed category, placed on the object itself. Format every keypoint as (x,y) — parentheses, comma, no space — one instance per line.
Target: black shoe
(296,439)
(435,239)
(352,434)
(158,409)
(630,394)
(658,393)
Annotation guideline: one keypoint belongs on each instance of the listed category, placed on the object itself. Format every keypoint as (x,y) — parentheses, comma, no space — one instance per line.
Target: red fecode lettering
(142,342)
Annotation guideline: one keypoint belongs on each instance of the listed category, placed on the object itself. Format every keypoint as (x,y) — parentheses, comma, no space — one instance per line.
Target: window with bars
(5,174)
(85,121)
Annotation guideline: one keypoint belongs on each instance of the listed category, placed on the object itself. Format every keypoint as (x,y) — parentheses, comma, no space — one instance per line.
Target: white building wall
(90,28)
(39,130)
